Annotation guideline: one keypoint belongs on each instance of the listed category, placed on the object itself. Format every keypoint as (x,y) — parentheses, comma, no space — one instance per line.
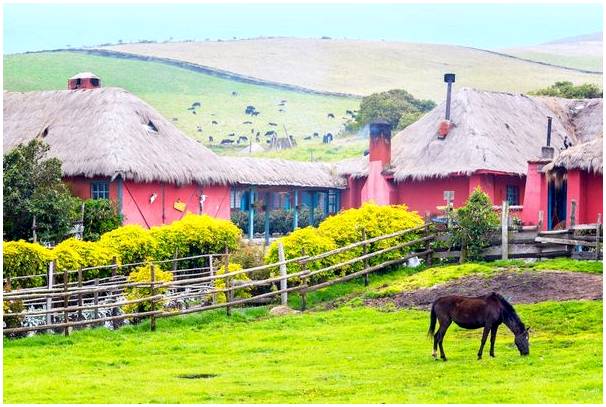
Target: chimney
(547,152)
(380,142)
(84,80)
(449,78)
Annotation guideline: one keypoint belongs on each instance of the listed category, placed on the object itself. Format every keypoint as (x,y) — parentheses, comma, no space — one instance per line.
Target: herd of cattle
(270,136)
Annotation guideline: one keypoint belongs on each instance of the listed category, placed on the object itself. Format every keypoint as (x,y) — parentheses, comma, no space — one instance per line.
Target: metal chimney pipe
(449,78)
(549,118)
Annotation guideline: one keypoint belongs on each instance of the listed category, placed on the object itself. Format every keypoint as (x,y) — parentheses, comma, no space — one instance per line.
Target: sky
(33,27)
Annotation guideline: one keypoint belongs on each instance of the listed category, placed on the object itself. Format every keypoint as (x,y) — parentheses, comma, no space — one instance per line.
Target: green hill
(173,90)
(362,66)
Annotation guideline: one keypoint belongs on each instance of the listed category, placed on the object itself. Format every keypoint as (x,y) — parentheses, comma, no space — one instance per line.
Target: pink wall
(594,203)
(535,194)
(137,208)
(424,196)
(350,197)
(586,189)
(376,188)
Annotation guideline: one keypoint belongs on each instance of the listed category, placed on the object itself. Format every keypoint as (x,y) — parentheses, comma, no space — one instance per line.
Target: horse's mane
(509,313)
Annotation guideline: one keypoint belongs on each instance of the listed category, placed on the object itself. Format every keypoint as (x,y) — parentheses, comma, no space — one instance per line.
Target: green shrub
(347,227)
(100,216)
(72,254)
(143,275)
(21,258)
(306,241)
(13,321)
(132,243)
(474,224)
(239,293)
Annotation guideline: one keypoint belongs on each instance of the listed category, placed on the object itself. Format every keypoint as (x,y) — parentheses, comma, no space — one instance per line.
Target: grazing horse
(488,312)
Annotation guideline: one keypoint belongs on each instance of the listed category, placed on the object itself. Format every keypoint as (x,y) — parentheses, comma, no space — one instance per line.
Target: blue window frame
(513,194)
(99,190)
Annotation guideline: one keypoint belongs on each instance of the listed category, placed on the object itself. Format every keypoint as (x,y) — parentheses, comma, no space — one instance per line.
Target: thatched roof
(107,132)
(493,131)
(83,75)
(278,172)
(587,156)
(356,167)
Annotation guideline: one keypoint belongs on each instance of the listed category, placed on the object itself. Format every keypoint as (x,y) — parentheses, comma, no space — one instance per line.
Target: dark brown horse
(488,312)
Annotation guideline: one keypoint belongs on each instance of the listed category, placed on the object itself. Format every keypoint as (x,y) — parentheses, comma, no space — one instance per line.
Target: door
(556,205)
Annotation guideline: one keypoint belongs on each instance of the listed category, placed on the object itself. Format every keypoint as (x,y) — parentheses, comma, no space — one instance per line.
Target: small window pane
(513,194)
(100,190)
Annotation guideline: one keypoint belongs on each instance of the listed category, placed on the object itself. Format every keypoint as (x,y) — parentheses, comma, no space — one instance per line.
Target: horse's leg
(484,337)
(441,333)
(493,337)
(435,346)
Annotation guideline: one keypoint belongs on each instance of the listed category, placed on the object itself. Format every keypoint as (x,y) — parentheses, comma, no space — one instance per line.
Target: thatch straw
(492,131)
(278,172)
(109,132)
(586,156)
(356,167)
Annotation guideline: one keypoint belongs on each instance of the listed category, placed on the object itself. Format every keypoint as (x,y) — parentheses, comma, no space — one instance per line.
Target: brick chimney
(380,142)
(84,80)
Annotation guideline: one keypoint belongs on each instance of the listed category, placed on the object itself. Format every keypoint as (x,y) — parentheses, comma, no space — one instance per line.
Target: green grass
(348,355)
(588,62)
(172,90)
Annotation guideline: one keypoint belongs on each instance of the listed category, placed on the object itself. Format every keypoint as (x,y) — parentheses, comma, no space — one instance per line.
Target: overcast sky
(45,26)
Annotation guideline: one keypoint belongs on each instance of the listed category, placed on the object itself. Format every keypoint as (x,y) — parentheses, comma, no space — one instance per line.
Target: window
(99,190)
(332,201)
(513,195)
(94,82)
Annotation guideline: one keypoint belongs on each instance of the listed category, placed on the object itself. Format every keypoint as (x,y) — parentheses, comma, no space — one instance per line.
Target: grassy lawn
(172,90)
(348,355)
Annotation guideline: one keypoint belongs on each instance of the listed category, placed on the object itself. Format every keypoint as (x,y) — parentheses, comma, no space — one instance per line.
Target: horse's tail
(432,320)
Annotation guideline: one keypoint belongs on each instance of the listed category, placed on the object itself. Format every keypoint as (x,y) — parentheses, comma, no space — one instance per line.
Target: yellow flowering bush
(143,275)
(22,258)
(239,293)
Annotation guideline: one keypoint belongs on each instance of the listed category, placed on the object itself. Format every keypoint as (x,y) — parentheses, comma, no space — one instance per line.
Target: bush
(132,243)
(566,89)
(72,254)
(239,293)
(347,227)
(21,258)
(143,275)
(474,224)
(306,241)
(14,321)
(100,216)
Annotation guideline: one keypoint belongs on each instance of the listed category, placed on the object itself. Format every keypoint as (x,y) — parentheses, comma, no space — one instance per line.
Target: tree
(396,106)
(568,90)
(474,223)
(100,216)
(33,187)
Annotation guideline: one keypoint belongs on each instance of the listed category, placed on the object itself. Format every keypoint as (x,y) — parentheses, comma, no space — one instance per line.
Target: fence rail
(64,305)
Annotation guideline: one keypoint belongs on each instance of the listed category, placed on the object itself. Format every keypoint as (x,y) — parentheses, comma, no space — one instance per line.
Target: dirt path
(518,287)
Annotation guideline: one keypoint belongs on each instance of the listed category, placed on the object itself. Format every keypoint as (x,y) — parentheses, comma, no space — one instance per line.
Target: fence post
(573,209)
(212,281)
(283,274)
(227,283)
(365,252)
(49,300)
(429,257)
(175,260)
(96,300)
(152,324)
(303,284)
(114,312)
(80,294)
(65,303)
(540,222)
(597,237)
(505,230)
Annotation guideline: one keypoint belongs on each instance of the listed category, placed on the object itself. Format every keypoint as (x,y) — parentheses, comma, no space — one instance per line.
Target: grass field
(172,90)
(363,67)
(351,354)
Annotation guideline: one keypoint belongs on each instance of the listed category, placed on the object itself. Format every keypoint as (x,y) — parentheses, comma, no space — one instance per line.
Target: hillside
(582,52)
(173,90)
(362,67)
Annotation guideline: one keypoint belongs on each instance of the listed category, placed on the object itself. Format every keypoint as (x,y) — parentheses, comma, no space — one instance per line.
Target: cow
(196,104)
(174,119)
(272,124)
(214,122)
(210,139)
(234,93)
(269,133)
(281,110)
(193,111)
(231,134)
(250,109)
(316,134)
(226,141)
(242,138)
(307,138)
(331,116)
(255,113)
(247,122)
(257,139)
(327,138)
(349,112)
(199,129)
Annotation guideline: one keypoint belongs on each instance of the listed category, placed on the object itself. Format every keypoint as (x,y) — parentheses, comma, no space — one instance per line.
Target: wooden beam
(565,241)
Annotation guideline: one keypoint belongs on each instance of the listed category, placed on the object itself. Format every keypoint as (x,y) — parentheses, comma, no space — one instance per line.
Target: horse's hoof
(479,357)
(492,356)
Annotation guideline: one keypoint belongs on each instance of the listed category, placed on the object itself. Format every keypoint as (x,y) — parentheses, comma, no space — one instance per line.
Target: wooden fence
(63,304)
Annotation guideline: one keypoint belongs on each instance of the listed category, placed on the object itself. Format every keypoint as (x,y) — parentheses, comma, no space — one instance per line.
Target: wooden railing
(65,304)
